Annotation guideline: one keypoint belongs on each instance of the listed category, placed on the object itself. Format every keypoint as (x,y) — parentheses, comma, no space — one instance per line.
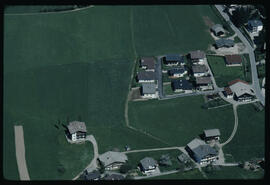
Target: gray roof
(203,150)
(224,42)
(195,143)
(199,69)
(211,132)
(148,88)
(111,157)
(148,161)
(92,175)
(146,75)
(240,88)
(76,126)
(197,54)
(255,23)
(174,57)
(179,70)
(182,84)
(217,28)
(203,80)
(149,62)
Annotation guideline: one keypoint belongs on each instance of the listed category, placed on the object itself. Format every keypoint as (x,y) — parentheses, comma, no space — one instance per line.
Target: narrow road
(155,175)
(159,77)
(20,153)
(93,164)
(255,80)
(151,149)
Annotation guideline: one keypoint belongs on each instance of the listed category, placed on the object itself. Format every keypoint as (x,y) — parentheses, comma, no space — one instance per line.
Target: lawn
(193,174)
(134,158)
(76,66)
(248,141)
(234,173)
(167,89)
(222,73)
(181,119)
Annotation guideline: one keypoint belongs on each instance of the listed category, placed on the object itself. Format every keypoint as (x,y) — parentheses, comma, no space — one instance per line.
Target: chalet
(218,29)
(227,43)
(233,60)
(174,59)
(199,70)
(76,130)
(95,175)
(204,83)
(148,165)
(182,86)
(148,63)
(211,134)
(113,177)
(146,76)
(148,90)
(227,92)
(254,26)
(242,91)
(112,160)
(177,72)
(201,152)
(197,57)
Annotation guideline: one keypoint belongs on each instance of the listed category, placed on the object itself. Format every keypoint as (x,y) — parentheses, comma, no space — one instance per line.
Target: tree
(241,15)
(125,168)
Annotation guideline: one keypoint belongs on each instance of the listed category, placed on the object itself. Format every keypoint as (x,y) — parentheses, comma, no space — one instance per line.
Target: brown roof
(199,69)
(228,90)
(149,62)
(197,54)
(203,80)
(233,59)
(235,81)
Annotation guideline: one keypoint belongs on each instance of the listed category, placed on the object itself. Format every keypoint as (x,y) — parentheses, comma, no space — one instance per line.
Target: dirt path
(20,153)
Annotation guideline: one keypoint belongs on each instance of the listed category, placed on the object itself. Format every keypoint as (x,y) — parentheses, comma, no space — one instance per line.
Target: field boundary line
(132,33)
(43,13)
(20,153)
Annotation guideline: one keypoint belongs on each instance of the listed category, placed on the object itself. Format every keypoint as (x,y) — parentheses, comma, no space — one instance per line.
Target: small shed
(218,29)
(211,134)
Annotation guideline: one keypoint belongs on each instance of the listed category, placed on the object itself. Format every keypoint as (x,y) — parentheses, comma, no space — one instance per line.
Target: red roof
(237,80)
(233,59)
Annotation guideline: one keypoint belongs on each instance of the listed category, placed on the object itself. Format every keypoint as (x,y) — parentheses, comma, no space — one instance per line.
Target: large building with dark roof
(197,57)
(146,76)
(173,59)
(148,63)
(227,43)
(76,130)
(233,60)
(199,70)
(204,83)
(177,72)
(182,86)
(148,165)
(148,90)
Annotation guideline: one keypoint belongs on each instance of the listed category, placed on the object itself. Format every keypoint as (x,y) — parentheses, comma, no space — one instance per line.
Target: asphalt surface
(255,80)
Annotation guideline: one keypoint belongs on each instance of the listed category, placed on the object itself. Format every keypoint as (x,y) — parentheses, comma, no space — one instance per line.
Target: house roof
(224,42)
(240,88)
(195,143)
(228,90)
(174,57)
(203,150)
(211,132)
(149,62)
(233,59)
(203,80)
(217,28)
(76,126)
(198,54)
(148,88)
(182,84)
(237,80)
(111,157)
(199,69)
(179,70)
(114,177)
(146,75)
(147,162)
(255,23)
(92,175)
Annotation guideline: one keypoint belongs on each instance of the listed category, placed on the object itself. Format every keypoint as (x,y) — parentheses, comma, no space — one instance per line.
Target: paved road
(159,77)
(153,149)
(155,175)
(255,80)
(20,153)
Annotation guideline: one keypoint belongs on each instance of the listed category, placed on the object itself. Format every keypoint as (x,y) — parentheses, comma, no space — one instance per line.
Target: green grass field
(248,141)
(180,119)
(76,66)
(222,73)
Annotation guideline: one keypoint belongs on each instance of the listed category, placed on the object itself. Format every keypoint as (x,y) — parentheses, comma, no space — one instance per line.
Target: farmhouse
(182,86)
(204,83)
(211,134)
(177,72)
(217,29)
(254,26)
(148,63)
(148,165)
(201,152)
(197,57)
(95,175)
(76,130)
(242,91)
(173,59)
(199,70)
(227,43)
(227,92)
(146,76)
(233,60)
(149,90)
(112,160)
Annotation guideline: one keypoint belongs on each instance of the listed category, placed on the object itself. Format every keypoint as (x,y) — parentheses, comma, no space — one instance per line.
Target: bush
(125,168)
